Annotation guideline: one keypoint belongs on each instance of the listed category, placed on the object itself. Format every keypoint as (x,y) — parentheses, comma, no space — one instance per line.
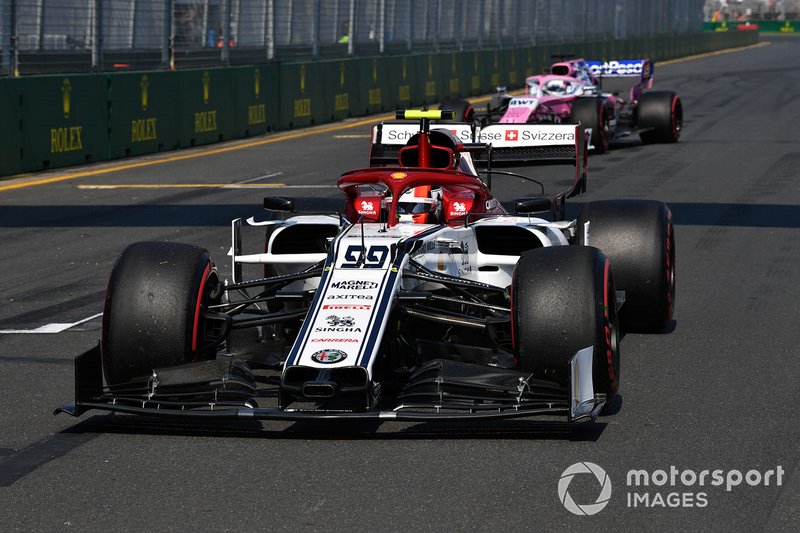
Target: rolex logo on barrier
(144,129)
(66,96)
(206,86)
(144,84)
(67,138)
(205,121)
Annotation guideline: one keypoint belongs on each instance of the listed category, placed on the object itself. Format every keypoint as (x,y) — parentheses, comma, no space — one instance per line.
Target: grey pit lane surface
(718,392)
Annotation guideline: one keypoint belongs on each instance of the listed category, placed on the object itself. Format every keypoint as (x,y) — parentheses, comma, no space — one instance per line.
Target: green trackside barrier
(142,113)
(491,60)
(454,67)
(64,120)
(340,94)
(514,67)
(373,86)
(10,133)
(206,109)
(403,88)
(476,80)
(430,80)
(764,26)
(300,95)
(256,96)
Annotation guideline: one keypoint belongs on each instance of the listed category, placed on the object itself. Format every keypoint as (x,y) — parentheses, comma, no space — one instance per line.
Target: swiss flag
(512,135)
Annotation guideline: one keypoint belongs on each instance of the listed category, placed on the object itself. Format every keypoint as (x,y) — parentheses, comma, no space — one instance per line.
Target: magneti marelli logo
(587,508)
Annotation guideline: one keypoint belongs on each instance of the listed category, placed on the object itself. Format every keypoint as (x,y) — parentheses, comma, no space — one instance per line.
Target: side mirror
(532,205)
(279,203)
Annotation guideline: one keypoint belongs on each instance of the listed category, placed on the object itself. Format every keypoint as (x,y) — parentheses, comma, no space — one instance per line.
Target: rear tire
(592,113)
(639,239)
(153,312)
(660,117)
(563,300)
(463,110)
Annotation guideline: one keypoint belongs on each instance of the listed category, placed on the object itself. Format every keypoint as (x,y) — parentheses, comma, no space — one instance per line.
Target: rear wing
(622,68)
(496,144)
(527,144)
(389,137)
(622,75)
(499,145)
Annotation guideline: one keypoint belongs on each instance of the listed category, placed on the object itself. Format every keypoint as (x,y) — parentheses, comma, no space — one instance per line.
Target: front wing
(232,395)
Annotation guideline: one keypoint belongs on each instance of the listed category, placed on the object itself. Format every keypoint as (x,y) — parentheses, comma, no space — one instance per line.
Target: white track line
(51,328)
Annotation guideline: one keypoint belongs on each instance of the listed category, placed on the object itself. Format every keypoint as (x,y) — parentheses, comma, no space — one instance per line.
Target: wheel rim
(611,330)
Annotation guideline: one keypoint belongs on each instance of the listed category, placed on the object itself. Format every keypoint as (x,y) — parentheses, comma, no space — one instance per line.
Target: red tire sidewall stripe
(607,327)
(196,323)
(674,118)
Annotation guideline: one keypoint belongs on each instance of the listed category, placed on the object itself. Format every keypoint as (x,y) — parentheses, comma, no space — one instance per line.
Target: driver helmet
(555,87)
(419,205)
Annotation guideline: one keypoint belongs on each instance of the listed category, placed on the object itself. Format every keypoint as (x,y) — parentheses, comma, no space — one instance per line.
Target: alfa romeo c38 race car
(612,99)
(373,312)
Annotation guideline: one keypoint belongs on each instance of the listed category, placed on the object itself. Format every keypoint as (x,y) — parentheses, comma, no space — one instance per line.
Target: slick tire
(592,113)
(463,110)
(153,312)
(563,301)
(638,238)
(660,117)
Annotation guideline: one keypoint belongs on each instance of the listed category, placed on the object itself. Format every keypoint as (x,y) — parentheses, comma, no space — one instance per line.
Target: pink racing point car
(612,99)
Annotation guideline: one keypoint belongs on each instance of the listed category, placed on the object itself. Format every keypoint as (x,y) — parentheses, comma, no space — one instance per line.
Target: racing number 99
(375,257)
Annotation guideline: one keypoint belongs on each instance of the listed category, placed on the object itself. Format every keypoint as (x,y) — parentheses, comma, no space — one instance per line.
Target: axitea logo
(587,508)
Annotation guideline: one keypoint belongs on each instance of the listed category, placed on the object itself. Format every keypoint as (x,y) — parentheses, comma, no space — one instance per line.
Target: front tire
(462,110)
(660,117)
(593,113)
(153,312)
(639,239)
(563,300)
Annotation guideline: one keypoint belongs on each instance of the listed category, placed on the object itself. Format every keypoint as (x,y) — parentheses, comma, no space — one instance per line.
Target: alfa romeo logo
(589,508)
(329,356)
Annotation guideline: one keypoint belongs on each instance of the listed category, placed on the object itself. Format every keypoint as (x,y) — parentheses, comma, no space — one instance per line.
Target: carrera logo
(356,307)
(349,297)
(512,135)
(354,285)
(327,339)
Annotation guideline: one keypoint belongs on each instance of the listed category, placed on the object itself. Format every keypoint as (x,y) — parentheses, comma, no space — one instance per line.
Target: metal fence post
(7,22)
(315,29)
(97,30)
(409,16)
(351,16)
(481,10)
(168,41)
(227,33)
(382,27)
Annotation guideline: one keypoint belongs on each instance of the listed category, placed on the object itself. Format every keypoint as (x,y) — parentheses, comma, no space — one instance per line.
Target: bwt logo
(512,135)
(589,508)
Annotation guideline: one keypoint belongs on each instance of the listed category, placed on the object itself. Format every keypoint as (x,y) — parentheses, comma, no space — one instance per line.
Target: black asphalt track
(720,391)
